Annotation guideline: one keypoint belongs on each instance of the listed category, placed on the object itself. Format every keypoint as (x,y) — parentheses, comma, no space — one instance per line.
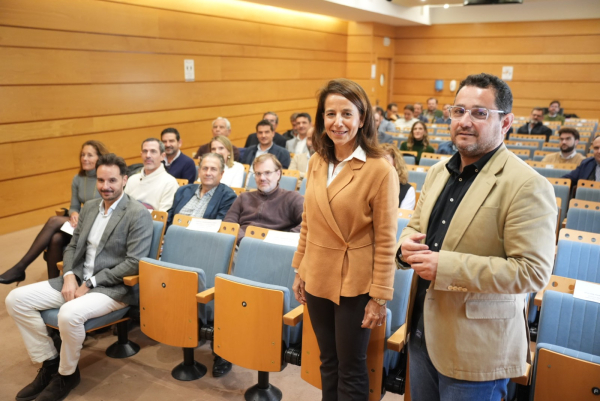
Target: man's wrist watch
(88,283)
(380,302)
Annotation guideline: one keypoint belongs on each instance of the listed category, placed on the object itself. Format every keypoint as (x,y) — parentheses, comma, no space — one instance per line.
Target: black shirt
(446,205)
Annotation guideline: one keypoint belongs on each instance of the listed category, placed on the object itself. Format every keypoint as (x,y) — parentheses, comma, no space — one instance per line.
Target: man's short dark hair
(504,98)
(170,131)
(305,115)
(110,159)
(555,101)
(273,114)
(432,98)
(161,145)
(391,105)
(409,107)
(569,130)
(379,110)
(264,123)
(538,109)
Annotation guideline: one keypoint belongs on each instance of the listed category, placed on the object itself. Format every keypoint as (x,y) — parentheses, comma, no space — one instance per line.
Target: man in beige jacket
(481,238)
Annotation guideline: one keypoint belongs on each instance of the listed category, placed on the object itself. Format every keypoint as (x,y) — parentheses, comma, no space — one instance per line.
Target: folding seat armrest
(131,280)
(206,296)
(396,340)
(293,317)
(60,265)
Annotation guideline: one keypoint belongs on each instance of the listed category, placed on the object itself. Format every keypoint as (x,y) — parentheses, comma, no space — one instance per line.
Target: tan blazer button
(450,287)
(464,289)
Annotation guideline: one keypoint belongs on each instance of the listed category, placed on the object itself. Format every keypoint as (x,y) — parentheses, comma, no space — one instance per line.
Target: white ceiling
(417,12)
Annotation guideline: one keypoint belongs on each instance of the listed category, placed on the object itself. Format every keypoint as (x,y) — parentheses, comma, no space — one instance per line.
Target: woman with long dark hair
(418,141)
(83,188)
(345,257)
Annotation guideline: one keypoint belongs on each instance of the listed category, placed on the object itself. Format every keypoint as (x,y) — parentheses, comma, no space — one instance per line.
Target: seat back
(578,260)
(428,161)
(562,192)
(418,177)
(551,172)
(302,189)
(588,194)
(158,232)
(584,216)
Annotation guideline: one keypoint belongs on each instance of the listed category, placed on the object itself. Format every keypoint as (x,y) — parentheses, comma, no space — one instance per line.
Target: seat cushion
(50,317)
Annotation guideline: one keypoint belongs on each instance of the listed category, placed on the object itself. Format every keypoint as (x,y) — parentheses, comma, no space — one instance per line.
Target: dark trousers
(343,344)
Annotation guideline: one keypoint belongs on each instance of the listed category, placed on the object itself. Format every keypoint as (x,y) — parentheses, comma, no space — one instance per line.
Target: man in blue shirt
(176,163)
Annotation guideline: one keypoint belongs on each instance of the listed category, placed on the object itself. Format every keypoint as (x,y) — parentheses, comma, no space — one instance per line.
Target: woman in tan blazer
(345,258)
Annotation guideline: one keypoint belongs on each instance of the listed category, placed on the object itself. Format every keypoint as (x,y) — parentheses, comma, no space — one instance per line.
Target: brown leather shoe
(41,381)
(60,386)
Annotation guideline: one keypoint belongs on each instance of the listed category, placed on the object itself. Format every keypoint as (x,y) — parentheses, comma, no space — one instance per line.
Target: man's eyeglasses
(264,173)
(476,113)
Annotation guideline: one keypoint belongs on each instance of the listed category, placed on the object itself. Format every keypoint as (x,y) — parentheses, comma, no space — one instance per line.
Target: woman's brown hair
(366,137)
(411,137)
(100,149)
(399,163)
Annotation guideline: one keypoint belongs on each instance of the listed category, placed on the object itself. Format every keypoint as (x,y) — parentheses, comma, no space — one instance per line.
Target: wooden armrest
(205,296)
(294,316)
(396,340)
(60,266)
(557,283)
(60,212)
(131,280)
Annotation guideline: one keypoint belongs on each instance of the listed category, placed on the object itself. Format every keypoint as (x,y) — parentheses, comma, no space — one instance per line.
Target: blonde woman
(418,141)
(233,176)
(407,192)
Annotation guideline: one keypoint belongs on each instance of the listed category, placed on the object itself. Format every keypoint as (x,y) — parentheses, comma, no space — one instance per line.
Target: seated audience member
(298,144)
(447,148)
(278,139)
(264,132)
(418,141)
(300,160)
(209,200)
(270,207)
(384,125)
(233,176)
(391,113)
(569,138)
(418,113)
(588,169)
(382,136)
(120,230)
(176,163)
(153,186)
(407,192)
(535,126)
(220,126)
(432,113)
(407,120)
(83,188)
(291,133)
(553,112)
(445,118)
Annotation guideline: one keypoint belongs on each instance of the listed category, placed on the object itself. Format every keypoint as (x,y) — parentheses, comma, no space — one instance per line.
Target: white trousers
(24,304)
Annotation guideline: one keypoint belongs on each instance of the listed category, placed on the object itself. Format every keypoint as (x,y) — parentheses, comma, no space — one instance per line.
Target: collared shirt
(446,205)
(196,207)
(570,155)
(93,240)
(301,145)
(332,172)
(166,162)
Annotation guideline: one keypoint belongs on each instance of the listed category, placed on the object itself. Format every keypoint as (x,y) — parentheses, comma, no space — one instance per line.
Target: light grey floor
(145,376)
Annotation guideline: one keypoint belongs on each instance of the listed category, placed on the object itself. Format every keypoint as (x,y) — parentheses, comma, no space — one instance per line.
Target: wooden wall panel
(113,71)
(551,60)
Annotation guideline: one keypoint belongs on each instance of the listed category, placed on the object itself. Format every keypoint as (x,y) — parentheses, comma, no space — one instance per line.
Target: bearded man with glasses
(481,238)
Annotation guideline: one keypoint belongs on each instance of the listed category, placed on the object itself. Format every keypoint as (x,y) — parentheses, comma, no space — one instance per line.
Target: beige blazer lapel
(322,194)
(470,205)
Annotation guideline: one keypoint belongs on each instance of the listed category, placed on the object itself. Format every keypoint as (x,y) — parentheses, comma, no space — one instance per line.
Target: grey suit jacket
(125,241)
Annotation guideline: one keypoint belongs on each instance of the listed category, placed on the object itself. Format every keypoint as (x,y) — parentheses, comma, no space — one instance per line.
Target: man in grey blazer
(112,235)
(298,144)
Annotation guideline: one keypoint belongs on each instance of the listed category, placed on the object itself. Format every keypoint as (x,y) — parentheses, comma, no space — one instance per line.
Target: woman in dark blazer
(345,261)
(222,197)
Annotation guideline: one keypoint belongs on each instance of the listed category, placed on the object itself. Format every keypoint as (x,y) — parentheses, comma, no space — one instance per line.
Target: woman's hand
(74,219)
(374,315)
(298,288)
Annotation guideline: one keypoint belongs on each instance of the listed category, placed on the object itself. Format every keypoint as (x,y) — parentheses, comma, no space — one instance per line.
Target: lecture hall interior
(121,71)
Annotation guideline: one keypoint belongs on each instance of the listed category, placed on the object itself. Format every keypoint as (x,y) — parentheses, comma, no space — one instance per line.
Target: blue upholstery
(588,194)
(409,159)
(302,189)
(50,316)
(204,251)
(523,157)
(583,220)
(551,172)
(578,260)
(562,192)
(538,158)
(418,177)
(569,326)
(401,224)
(428,162)
(288,183)
(397,310)
(266,265)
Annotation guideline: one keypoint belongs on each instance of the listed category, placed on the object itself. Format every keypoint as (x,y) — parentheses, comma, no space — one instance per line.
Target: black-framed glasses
(476,113)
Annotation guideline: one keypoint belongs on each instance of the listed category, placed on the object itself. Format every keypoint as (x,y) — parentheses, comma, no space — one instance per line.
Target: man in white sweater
(153,186)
